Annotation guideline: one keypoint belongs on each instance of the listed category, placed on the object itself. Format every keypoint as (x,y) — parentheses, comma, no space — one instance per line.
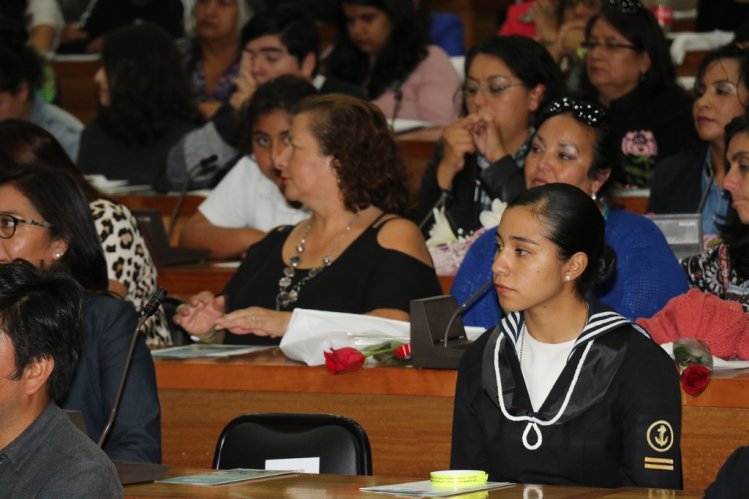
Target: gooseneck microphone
(465,306)
(398,91)
(205,165)
(150,308)
(439,204)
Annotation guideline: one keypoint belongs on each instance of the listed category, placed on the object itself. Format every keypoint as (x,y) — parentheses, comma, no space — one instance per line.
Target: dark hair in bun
(575,224)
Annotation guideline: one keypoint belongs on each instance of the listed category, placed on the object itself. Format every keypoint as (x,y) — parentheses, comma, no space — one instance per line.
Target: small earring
(58,255)
(567,278)
(594,196)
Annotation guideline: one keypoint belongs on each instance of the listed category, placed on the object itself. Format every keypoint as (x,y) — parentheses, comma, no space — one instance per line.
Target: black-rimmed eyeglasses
(8,224)
(488,89)
(607,46)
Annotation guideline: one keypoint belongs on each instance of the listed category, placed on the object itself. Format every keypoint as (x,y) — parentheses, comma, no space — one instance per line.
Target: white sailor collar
(591,366)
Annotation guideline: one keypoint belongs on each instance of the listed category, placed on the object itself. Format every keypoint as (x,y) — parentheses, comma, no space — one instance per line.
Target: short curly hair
(370,169)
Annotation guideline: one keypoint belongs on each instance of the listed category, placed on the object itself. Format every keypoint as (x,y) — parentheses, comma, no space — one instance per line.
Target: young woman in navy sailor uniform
(564,390)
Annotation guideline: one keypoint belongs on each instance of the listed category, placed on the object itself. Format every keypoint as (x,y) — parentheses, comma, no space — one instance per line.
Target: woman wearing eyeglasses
(571,146)
(565,390)
(131,271)
(481,155)
(45,219)
(691,181)
(629,71)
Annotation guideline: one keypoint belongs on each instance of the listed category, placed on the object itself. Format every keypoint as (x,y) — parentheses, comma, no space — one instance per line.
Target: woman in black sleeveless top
(353,254)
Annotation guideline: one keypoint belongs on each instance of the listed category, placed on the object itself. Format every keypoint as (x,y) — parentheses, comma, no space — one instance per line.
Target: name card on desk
(301,464)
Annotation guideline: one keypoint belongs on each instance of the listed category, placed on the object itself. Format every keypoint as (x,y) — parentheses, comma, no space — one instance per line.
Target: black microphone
(703,198)
(205,165)
(465,306)
(150,308)
(398,91)
(439,204)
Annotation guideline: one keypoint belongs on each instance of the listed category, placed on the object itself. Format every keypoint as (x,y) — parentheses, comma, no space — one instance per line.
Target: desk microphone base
(429,320)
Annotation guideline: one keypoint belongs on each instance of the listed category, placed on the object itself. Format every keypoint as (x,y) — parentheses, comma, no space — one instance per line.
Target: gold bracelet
(208,338)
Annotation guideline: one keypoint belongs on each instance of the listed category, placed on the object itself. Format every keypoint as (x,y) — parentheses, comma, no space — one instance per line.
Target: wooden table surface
(406,412)
(301,486)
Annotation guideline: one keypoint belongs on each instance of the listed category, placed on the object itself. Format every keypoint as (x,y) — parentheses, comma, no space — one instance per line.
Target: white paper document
(206,350)
(426,489)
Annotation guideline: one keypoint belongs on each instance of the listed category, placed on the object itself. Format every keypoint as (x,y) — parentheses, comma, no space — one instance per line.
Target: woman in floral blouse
(724,269)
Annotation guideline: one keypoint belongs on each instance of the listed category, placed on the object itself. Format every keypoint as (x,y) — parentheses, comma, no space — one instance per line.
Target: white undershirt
(542,363)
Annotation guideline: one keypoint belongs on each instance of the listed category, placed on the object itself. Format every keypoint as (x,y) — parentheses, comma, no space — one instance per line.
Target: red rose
(343,360)
(694,379)
(403,352)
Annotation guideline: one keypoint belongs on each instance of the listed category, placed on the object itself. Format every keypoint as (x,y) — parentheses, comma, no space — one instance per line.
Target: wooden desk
(406,412)
(417,148)
(77,90)
(303,486)
(184,281)
(164,203)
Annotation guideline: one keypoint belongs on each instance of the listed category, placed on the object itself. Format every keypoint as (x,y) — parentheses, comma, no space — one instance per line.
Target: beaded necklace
(286,296)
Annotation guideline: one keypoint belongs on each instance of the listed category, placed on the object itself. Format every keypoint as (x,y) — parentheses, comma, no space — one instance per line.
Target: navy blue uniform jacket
(613,417)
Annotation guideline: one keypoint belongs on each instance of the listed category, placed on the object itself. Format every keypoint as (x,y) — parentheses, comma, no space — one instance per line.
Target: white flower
(491,218)
(441,232)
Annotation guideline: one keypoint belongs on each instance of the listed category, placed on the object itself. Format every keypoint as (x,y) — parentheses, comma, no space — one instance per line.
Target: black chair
(339,442)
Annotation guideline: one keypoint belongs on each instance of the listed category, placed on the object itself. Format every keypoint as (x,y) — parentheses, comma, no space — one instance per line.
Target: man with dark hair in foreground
(41,453)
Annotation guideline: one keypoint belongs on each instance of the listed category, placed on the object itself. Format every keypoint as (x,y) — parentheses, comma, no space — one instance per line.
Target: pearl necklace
(286,296)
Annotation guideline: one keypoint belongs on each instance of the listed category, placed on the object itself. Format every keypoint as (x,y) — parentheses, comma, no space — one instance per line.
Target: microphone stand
(396,87)
(203,166)
(464,306)
(439,204)
(148,310)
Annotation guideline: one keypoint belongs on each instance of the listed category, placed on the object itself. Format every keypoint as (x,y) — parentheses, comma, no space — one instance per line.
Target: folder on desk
(164,255)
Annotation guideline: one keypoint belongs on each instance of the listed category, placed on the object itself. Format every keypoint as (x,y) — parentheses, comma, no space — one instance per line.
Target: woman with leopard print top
(131,271)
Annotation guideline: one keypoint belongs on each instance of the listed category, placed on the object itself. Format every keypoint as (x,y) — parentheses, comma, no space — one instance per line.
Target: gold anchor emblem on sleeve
(660,436)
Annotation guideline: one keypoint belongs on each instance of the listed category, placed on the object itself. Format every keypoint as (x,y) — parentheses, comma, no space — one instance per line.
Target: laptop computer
(683,232)
(152,227)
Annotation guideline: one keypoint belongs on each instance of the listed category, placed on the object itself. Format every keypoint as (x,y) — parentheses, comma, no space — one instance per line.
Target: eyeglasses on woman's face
(490,88)
(9,223)
(607,46)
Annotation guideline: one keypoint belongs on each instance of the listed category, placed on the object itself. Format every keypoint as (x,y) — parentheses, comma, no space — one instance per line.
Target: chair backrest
(340,443)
